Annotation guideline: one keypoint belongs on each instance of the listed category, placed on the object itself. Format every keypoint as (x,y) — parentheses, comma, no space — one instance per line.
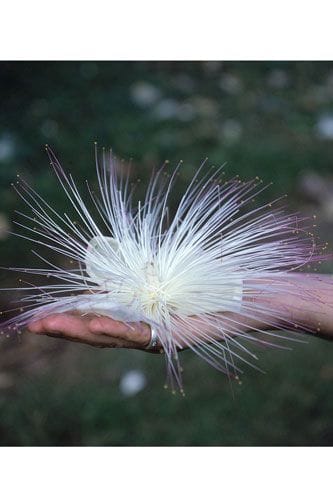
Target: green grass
(76,401)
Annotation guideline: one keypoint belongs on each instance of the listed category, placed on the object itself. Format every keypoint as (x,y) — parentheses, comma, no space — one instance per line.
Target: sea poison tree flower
(143,262)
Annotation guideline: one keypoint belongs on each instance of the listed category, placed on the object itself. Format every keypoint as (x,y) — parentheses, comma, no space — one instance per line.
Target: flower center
(153,293)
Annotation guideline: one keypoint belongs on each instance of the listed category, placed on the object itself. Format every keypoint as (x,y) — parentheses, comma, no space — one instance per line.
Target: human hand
(97,331)
(311,306)
(103,331)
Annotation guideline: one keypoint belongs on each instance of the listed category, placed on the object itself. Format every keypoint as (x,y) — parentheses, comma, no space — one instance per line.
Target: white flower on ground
(7,147)
(324,127)
(132,382)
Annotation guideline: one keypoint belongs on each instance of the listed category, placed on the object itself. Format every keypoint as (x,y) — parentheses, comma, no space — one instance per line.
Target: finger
(62,323)
(72,328)
(134,333)
(35,326)
(77,328)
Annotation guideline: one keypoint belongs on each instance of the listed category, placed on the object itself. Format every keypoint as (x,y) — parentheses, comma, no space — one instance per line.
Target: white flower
(132,382)
(143,264)
(324,127)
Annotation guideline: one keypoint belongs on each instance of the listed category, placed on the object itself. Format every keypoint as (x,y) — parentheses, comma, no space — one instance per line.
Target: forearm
(307,304)
(296,301)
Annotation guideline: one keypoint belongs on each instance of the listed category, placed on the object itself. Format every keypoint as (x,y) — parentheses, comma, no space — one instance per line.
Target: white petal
(98,248)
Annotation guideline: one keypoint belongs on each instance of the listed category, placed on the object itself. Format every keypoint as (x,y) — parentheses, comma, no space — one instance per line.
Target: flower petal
(101,251)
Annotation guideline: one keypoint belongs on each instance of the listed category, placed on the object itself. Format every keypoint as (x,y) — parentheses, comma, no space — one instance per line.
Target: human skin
(301,310)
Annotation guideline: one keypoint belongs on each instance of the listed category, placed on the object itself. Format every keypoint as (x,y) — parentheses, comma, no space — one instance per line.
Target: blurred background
(268,119)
